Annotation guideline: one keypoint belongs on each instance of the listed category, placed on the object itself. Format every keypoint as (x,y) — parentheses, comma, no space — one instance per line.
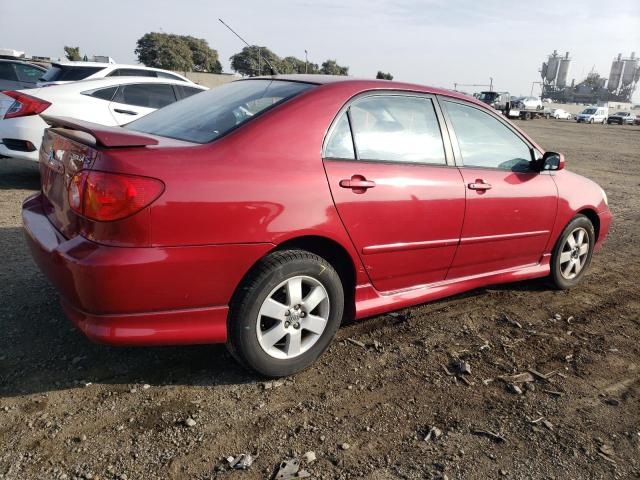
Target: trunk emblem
(53,163)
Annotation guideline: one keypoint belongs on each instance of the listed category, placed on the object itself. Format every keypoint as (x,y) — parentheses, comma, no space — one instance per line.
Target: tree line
(185,53)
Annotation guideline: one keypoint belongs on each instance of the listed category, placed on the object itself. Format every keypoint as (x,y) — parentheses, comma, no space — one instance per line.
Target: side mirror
(552,161)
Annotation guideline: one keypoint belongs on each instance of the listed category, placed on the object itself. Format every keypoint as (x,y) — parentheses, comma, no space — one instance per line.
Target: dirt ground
(73,409)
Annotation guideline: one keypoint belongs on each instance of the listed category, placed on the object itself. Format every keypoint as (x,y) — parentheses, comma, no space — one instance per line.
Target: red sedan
(263,212)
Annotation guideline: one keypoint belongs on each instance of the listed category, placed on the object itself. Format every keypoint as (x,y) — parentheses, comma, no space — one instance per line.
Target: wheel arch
(593,218)
(327,248)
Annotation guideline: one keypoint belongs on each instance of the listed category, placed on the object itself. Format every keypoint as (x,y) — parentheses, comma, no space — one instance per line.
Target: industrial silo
(552,66)
(563,71)
(629,71)
(617,67)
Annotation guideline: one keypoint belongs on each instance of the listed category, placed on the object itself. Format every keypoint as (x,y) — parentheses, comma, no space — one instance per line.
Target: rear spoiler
(109,137)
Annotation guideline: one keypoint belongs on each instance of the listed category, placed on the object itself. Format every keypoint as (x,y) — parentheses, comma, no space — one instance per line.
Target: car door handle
(479,184)
(126,112)
(357,183)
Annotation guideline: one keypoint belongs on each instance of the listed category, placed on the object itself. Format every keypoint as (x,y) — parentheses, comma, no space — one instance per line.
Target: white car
(531,102)
(593,115)
(64,72)
(108,101)
(559,113)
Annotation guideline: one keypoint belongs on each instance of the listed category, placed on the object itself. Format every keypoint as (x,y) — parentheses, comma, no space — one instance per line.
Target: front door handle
(126,112)
(357,183)
(479,184)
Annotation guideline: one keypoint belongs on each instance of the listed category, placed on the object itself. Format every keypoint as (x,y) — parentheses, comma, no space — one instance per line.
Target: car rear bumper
(29,128)
(140,296)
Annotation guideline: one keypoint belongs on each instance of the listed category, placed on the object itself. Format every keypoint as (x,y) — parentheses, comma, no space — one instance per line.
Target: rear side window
(131,72)
(168,75)
(68,73)
(7,72)
(340,143)
(485,141)
(184,92)
(102,93)
(27,73)
(205,117)
(397,128)
(149,95)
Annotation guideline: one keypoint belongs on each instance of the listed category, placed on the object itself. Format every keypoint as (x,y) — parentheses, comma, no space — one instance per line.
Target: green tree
(250,61)
(384,76)
(331,67)
(177,52)
(72,53)
(295,65)
(163,50)
(205,58)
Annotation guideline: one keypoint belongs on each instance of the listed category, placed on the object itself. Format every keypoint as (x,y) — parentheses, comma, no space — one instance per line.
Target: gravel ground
(73,409)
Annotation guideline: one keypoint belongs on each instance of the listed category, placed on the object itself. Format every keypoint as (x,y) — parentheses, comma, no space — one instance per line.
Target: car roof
(91,84)
(369,84)
(106,65)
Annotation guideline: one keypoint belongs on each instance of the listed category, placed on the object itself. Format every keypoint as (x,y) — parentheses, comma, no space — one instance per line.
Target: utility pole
(306,61)
(491,84)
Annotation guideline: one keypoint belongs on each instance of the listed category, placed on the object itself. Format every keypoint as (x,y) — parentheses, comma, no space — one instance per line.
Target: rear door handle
(479,184)
(357,183)
(126,112)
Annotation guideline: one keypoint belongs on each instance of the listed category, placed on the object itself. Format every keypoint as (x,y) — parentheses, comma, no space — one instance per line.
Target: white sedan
(108,101)
(559,113)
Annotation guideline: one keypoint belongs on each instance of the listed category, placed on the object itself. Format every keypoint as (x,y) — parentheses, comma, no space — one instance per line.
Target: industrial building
(619,87)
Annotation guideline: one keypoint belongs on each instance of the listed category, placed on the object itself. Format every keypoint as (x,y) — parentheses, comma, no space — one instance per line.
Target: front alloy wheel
(572,253)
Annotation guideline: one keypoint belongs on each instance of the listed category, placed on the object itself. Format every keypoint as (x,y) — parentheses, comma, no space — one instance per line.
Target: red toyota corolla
(263,212)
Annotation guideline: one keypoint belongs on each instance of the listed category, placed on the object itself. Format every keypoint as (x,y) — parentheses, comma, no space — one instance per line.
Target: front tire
(285,313)
(572,253)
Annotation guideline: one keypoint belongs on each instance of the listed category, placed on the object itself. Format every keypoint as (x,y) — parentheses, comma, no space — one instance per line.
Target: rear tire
(285,313)
(572,253)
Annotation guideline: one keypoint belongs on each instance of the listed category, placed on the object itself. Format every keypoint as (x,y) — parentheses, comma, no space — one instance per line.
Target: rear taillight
(24,105)
(106,196)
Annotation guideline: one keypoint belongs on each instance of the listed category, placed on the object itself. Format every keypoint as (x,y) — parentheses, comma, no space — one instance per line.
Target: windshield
(589,111)
(204,117)
(66,73)
(487,96)
(621,114)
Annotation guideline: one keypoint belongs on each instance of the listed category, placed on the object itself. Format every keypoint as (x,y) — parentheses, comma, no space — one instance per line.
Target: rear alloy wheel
(285,313)
(572,253)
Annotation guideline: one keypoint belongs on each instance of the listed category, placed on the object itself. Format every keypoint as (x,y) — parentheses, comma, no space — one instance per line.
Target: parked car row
(104,93)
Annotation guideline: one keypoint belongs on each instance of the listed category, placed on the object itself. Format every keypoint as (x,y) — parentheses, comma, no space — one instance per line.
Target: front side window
(203,118)
(397,128)
(485,141)
(148,95)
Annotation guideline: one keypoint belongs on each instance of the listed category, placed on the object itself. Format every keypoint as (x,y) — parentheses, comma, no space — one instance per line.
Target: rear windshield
(204,117)
(68,73)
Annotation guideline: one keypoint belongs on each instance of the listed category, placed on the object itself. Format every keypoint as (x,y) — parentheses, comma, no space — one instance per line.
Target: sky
(432,42)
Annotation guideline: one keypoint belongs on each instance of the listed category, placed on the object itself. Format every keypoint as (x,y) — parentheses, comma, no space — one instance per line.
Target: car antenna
(271,67)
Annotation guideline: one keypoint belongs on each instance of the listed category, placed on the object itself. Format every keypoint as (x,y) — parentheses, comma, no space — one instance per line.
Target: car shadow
(18,175)
(40,351)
